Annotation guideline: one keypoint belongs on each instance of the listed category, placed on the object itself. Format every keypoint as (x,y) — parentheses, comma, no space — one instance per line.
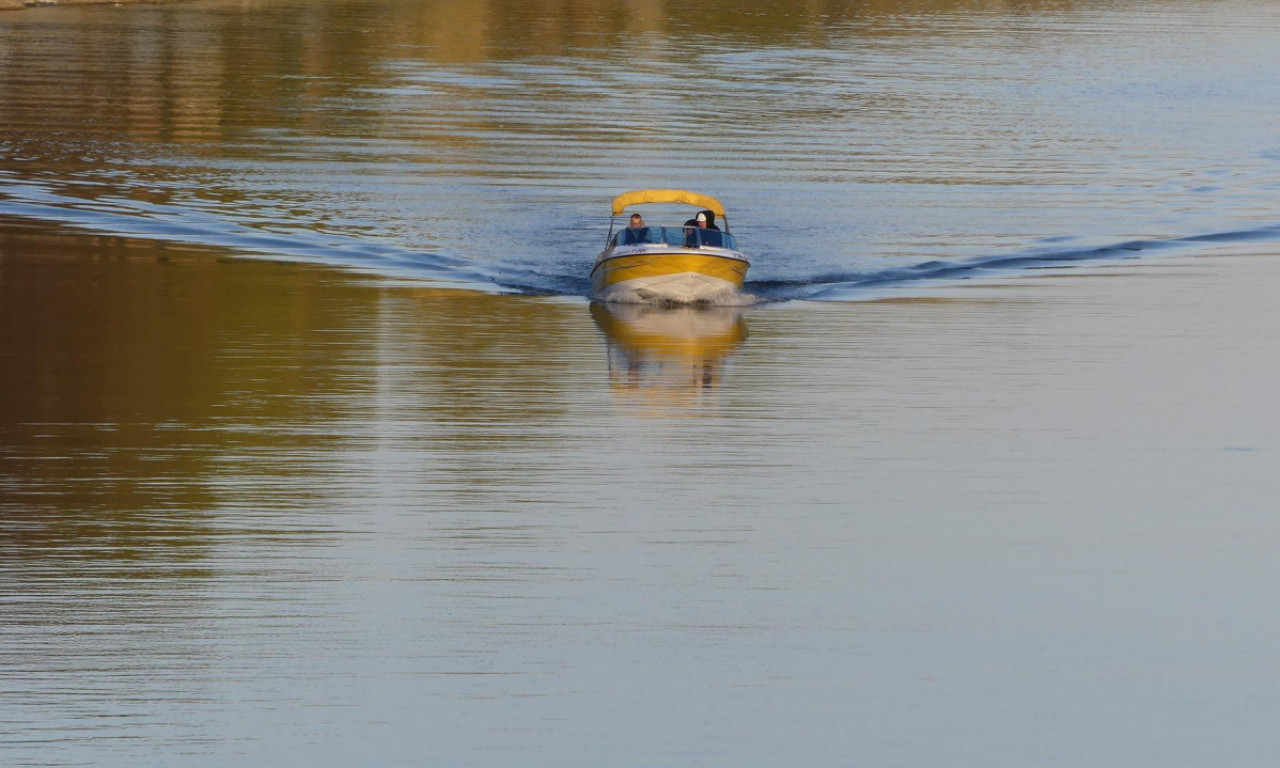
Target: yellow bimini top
(641,196)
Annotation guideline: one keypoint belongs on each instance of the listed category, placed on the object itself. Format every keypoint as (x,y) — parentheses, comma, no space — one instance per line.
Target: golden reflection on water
(155,400)
(160,405)
(668,355)
(131,372)
(195,72)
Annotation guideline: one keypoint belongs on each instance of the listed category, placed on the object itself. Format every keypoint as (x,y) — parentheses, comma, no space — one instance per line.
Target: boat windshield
(685,237)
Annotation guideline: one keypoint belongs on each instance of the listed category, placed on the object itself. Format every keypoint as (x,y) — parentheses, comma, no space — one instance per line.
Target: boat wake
(873,284)
(538,271)
(251,233)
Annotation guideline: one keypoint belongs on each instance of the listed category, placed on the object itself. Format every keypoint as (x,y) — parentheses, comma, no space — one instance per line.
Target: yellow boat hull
(684,277)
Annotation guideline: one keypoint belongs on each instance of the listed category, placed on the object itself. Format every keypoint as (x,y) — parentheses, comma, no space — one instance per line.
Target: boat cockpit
(679,237)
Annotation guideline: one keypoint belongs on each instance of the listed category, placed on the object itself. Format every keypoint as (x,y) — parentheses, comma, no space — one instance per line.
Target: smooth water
(314,453)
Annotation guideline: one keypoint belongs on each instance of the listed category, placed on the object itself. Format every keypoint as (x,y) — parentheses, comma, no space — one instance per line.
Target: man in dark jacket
(637,232)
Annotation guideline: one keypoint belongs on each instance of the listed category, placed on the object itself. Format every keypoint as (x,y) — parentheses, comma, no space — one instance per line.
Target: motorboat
(691,263)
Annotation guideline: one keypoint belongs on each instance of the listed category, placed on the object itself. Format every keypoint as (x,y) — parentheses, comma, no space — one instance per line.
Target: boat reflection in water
(665,351)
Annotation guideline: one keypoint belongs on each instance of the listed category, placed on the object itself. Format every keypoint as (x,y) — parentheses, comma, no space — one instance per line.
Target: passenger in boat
(709,233)
(637,232)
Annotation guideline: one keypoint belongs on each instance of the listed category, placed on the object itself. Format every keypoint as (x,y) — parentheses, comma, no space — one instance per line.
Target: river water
(313,451)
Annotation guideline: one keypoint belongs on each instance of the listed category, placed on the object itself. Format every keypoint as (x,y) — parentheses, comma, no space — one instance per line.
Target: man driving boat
(637,232)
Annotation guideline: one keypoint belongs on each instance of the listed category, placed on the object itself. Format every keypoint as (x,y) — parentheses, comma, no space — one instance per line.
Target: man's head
(702,219)
(637,221)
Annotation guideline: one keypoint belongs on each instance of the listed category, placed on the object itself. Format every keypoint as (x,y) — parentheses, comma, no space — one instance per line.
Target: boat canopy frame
(644,196)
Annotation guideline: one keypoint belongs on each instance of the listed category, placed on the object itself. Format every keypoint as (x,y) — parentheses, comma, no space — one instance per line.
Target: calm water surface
(313,453)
